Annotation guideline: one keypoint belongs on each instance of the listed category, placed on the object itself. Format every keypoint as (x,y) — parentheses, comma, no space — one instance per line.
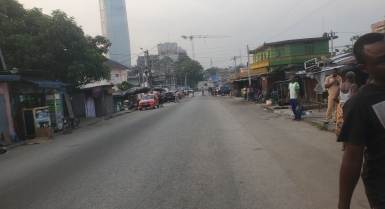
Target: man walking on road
(331,83)
(364,127)
(293,95)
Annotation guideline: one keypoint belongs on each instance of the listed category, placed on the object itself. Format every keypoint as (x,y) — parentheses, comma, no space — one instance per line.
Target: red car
(148,101)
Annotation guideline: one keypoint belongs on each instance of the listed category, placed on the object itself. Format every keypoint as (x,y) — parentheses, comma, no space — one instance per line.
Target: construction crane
(200,36)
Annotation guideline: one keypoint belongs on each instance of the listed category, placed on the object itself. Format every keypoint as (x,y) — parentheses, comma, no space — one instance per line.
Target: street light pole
(248,70)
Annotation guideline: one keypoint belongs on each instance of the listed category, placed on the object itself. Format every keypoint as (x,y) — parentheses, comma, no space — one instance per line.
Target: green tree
(31,40)
(182,59)
(191,70)
(212,71)
(165,66)
(349,48)
(124,86)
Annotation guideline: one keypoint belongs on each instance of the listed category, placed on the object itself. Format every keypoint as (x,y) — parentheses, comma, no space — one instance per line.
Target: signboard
(54,106)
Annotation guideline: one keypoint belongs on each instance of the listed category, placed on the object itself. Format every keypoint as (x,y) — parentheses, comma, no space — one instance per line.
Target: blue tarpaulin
(9,78)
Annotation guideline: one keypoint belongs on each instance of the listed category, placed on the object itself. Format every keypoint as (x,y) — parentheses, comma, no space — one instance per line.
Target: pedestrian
(293,97)
(364,127)
(176,97)
(331,83)
(160,100)
(344,92)
(245,92)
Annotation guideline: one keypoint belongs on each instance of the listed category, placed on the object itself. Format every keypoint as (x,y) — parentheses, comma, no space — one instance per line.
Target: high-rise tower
(115,27)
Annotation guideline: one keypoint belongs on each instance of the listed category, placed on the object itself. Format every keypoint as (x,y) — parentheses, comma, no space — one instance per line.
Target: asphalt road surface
(205,152)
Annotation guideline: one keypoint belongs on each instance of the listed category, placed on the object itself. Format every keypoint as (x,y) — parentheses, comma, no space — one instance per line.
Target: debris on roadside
(39,140)
(3,150)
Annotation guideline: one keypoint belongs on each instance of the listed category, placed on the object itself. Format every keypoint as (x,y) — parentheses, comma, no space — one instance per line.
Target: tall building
(378,27)
(115,27)
(170,50)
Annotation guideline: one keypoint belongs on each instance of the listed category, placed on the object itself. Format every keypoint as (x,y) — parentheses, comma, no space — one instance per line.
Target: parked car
(169,96)
(224,90)
(148,101)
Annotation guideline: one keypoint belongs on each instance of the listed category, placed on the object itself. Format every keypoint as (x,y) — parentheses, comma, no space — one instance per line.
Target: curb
(307,120)
(12,146)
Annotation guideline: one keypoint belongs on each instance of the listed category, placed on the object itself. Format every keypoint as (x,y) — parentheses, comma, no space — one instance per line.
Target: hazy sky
(248,22)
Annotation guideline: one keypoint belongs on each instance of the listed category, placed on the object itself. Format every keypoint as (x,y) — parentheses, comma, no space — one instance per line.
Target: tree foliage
(124,86)
(31,40)
(192,70)
(349,48)
(165,66)
(182,59)
(212,71)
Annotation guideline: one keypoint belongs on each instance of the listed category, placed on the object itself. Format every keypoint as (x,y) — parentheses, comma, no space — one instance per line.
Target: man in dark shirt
(364,127)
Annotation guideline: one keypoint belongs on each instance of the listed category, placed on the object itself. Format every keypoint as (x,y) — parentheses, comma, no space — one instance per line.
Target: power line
(280,19)
(138,55)
(354,32)
(307,16)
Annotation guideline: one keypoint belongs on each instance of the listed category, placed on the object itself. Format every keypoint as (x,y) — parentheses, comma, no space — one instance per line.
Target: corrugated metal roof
(289,41)
(113,64)
(9,78)
(42,82)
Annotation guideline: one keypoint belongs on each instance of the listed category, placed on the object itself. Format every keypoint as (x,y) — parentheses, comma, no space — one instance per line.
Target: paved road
(205,152)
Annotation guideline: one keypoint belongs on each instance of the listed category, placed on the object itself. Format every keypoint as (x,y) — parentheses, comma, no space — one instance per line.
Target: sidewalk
(83,122)
(315,116)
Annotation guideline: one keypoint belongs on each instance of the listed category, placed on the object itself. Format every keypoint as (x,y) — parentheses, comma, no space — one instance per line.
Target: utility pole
(331,35)
(235,64)
(211,62)
(240,57)
(248,70)
(147,66)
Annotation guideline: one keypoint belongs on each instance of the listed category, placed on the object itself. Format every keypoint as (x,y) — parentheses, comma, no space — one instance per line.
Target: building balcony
(259,64)
(252,73)
(294,59)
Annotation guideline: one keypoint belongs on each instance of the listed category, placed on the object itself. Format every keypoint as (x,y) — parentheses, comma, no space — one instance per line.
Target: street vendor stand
(35,118)
(132,95)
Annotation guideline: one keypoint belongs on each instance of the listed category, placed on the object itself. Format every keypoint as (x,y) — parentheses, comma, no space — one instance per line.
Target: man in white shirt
(292,96)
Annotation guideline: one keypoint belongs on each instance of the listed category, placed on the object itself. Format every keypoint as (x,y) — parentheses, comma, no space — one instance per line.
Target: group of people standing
(256,91)
(360,121)
(178,95)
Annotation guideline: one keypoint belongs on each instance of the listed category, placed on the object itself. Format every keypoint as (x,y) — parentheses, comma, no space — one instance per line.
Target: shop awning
(42,82)
(9,78)
(242,79)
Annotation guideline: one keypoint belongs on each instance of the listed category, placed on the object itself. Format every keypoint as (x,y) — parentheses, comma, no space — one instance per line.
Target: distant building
(115,27)
(379,27)
(118,75)
(171,50)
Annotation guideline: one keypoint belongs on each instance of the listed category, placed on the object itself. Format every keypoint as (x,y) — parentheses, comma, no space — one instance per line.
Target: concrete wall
(4,90)
(118,76)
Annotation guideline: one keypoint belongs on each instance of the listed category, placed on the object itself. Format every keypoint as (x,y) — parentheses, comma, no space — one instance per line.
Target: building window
(280,51)
(117,75)
(309,49)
